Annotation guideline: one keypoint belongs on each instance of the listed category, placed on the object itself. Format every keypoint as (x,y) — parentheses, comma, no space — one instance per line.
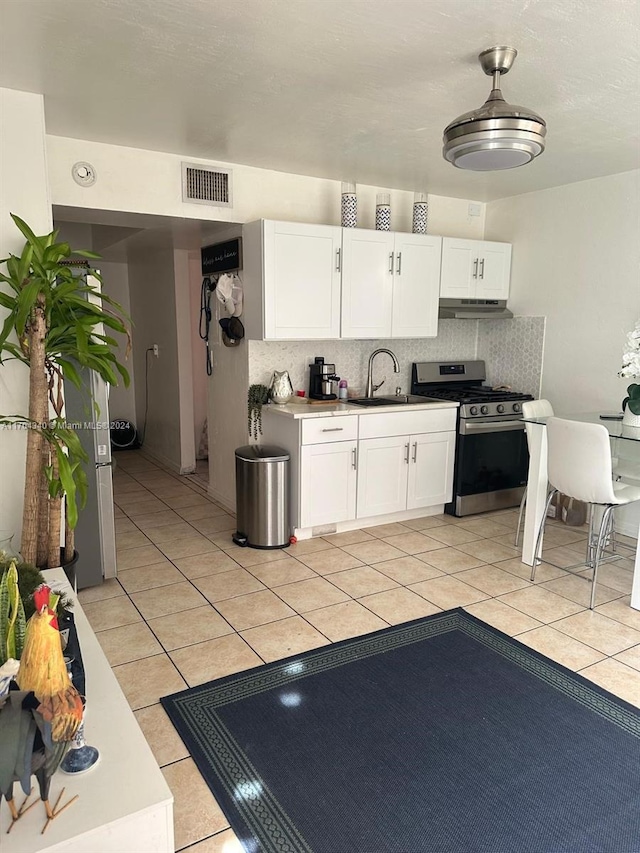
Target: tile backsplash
(512,350)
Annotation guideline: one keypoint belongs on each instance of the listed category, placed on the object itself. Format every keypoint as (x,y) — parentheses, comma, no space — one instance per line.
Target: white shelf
(125,802)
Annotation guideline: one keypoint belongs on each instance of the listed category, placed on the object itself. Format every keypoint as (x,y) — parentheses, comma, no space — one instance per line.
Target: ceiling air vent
(202,185)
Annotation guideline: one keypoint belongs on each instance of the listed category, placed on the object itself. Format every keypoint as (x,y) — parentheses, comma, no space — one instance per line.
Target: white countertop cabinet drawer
(407,423)
(325,430)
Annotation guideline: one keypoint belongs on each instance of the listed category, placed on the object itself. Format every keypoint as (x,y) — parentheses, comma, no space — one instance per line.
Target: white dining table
(537,486)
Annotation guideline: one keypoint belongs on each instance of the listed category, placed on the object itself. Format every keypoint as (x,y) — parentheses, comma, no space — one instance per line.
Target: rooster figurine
(38,722)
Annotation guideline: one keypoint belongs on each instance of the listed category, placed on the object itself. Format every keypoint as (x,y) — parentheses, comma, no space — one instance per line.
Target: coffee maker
(321,376)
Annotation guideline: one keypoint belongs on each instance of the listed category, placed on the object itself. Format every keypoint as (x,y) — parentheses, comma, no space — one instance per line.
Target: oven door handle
(477,427)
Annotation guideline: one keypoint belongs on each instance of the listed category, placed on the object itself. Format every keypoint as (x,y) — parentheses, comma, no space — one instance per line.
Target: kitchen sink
(395,400)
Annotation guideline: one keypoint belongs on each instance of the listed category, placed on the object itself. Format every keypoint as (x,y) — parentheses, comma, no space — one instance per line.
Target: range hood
(474,309)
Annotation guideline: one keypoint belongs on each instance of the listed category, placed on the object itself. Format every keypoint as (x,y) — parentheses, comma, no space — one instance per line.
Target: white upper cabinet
(367,283)
(301,272)
(475,269)
(390,284)
(416,286)
(323,282)
(494,271)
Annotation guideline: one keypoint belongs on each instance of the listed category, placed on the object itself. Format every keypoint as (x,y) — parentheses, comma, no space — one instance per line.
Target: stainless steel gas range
(491,449)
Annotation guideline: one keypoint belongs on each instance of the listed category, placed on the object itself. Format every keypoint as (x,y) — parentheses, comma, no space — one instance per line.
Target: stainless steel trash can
(262,496)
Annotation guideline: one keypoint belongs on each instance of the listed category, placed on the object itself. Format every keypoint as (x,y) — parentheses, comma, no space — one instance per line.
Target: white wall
(182,302)
(576,257)
(198,358)
(152,299)
(77,234)
(227,401)
(115,283)
(227,418)
(140,181)
(25,191)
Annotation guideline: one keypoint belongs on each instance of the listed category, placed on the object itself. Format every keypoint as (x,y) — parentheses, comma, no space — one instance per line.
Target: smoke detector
(497,135)
(83,174)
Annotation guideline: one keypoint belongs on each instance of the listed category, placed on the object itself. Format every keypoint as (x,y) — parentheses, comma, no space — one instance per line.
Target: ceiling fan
(497,135)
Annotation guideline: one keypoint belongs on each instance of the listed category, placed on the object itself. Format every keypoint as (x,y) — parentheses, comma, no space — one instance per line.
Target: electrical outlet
(156,350)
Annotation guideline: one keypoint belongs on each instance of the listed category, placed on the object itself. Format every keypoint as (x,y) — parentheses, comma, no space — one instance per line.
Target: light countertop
(124,799)
(322,410)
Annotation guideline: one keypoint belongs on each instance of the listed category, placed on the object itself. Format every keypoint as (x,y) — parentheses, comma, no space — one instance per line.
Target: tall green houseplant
(57,329)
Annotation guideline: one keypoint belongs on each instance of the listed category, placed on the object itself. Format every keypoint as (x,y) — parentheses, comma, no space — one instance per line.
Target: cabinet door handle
(333,429)
(475,268)
(391,262)
(415,451)
(406,453)
(354,459)
(399,264)
(482,268)
(338,260)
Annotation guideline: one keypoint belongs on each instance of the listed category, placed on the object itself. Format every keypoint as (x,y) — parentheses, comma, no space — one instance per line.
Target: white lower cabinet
(382,475)
(349,467)
(404,472)
(328,483)
(405,460)
(431,469)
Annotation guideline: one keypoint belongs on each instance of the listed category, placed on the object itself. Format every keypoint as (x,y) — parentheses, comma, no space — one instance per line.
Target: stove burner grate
(479,394)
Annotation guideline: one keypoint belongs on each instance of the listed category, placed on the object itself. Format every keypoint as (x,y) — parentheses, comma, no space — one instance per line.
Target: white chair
(579,465)
(531,409)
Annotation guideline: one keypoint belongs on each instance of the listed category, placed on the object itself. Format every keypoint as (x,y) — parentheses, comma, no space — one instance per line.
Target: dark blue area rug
(436,736)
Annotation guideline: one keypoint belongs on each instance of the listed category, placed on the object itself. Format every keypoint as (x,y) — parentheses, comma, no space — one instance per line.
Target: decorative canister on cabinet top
(348,206)
(420,213)
(383,212)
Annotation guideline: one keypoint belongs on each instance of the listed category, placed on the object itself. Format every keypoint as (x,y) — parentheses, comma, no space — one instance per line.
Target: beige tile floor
(189,606)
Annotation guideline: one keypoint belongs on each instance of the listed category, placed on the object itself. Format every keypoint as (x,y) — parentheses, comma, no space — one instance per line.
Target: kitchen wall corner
(227,415)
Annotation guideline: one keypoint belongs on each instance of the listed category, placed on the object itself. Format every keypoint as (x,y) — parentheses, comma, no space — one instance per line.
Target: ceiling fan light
(478,154)
(498,135)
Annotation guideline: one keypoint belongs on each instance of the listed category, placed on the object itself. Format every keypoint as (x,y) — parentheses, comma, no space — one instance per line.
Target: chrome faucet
(370,386)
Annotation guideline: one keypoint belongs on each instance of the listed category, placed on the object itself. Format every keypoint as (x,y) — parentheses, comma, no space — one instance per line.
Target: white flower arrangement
(631,356)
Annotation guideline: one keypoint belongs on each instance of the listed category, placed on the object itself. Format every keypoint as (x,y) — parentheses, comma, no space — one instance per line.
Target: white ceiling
(344,89)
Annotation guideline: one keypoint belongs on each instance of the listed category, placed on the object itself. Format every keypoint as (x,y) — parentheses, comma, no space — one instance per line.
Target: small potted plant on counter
(257,396)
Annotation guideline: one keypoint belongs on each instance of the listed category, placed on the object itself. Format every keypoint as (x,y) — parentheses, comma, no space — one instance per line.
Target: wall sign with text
(222,257)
